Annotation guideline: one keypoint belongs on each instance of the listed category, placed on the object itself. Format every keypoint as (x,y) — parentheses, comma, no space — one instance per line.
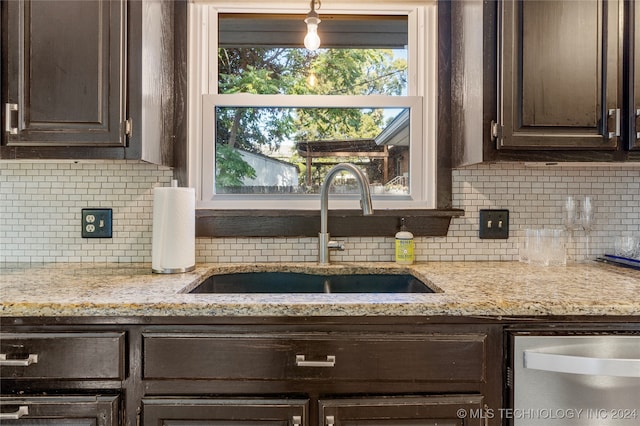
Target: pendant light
(312,40)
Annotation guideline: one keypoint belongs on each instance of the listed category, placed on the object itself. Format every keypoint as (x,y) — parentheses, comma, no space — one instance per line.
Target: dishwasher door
(576,380)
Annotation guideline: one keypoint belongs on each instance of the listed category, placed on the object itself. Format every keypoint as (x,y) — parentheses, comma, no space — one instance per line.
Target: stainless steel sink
(292,282)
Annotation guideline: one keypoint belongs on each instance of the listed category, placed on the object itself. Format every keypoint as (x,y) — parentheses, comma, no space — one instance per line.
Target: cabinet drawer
(96,410)
(62,355)
(349,357)
(440,410)
(227,412)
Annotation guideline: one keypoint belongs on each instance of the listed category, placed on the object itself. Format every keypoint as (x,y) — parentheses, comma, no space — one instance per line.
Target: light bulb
(312,40)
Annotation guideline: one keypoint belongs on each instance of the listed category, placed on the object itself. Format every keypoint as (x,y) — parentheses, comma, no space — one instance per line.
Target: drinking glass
(627,246)
(545,247)
(586,221)
(569,221)
(578,215)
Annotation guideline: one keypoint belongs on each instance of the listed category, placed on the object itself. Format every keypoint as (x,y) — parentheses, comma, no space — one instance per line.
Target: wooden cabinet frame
(632,73)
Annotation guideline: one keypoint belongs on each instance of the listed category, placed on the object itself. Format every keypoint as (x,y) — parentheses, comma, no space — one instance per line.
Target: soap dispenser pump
(404,245)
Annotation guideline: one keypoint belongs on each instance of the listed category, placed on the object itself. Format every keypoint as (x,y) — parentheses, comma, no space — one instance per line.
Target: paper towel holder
(173,270)
(186,263)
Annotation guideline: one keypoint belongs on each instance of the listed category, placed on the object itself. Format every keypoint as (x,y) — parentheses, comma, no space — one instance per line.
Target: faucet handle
(335,245)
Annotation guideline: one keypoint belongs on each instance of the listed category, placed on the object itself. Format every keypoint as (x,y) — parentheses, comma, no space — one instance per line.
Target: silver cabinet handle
(615,112)
(572,364)
(296,421)
(330,362)
(23,410)
(637,116)
(329,421)
(31,359)
(8,109)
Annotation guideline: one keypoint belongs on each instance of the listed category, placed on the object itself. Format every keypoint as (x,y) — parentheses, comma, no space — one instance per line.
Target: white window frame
(421,99)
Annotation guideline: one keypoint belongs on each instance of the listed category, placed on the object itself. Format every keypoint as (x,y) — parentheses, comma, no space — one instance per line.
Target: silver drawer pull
(330,362)
(296,421)
(23,410)
(329,421)
(31,359)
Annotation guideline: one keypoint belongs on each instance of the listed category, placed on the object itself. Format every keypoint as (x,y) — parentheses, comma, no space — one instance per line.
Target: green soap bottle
(404,246)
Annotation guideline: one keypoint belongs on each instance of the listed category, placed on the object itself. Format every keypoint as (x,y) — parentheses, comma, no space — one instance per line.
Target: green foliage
(231,168)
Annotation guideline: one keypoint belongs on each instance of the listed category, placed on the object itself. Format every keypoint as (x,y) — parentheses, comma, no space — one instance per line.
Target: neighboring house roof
(397,132)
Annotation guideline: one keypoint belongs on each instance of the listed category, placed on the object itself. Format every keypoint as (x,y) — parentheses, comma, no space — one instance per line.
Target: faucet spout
(324,244)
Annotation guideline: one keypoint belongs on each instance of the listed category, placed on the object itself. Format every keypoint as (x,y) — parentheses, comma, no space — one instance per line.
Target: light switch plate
(97,223)
(494,224)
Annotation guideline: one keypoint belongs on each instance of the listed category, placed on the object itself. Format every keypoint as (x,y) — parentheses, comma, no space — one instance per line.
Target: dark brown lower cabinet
(228,412)
(100,410)
(437,410)
(246,372)
(346,376)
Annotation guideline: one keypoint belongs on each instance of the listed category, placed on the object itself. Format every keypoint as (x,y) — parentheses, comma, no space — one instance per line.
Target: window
(268,118)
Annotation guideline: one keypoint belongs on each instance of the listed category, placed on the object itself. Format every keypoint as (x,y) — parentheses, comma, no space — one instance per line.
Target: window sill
(306,223)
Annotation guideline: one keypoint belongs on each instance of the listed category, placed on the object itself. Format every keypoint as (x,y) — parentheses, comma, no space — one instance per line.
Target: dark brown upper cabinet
(549,82)
(65,73)
(559,74)
(634,71)
(76,84)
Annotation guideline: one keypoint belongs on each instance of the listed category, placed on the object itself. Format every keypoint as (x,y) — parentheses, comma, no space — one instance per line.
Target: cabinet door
(559,74)
(449,410)
(634,22)
(227,412)
(65,68)
(59,410)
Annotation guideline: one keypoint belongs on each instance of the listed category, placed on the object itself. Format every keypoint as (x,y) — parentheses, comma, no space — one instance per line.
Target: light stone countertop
(486,289)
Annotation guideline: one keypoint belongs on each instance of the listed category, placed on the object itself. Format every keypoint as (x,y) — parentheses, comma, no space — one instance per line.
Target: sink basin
(293,282)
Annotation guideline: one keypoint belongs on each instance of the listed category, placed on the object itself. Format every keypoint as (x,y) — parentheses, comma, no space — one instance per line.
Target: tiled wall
(40,205)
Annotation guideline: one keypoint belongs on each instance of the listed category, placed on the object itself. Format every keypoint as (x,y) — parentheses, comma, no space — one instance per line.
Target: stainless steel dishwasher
(575,380)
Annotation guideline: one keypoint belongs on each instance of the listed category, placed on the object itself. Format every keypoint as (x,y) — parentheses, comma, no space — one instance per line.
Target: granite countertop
(488,289)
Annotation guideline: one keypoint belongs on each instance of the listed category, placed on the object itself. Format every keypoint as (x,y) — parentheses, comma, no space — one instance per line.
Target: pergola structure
(364,148)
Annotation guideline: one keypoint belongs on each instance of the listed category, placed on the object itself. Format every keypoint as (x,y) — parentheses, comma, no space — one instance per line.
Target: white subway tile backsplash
(40,205)
(42,201)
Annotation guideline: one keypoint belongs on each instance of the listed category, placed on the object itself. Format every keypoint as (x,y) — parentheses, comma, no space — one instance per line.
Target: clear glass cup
(546,247)
(555,247)
(627,246)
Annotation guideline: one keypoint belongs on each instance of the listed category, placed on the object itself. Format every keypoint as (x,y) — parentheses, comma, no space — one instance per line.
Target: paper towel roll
(173,245)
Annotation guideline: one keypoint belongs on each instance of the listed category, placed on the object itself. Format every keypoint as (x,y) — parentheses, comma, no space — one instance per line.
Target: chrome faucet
(324,243)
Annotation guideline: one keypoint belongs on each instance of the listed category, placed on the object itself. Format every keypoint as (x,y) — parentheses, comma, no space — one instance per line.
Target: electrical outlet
(96,223)
(494,224)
